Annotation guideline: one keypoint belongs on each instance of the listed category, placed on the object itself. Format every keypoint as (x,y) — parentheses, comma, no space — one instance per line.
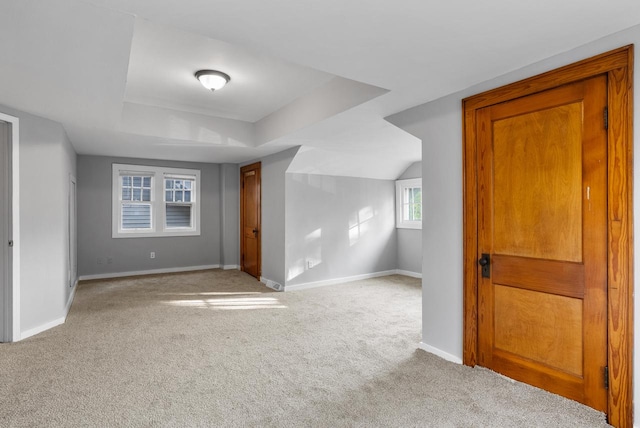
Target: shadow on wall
(338,227)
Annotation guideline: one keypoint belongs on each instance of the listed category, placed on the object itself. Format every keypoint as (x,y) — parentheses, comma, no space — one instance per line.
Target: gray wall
(230,216)
(96,246)
(344,226)
(410,240)
(273,171)
(47,160)
(438,125)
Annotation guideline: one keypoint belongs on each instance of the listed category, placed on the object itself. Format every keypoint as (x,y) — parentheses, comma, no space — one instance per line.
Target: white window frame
(401,185)
(158,207)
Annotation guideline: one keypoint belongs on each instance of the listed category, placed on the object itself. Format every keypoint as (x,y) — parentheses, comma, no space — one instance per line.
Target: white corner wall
(438,124)
(47,160)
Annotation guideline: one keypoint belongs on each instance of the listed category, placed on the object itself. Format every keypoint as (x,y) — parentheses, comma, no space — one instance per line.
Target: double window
(409,203)
(155,201)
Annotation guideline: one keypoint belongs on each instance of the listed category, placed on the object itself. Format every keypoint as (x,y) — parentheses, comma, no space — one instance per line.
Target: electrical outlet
(309,264)
(109,260)
(152,255)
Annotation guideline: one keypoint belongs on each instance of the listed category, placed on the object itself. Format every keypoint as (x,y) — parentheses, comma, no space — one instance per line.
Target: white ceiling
(321,74)
(163,62)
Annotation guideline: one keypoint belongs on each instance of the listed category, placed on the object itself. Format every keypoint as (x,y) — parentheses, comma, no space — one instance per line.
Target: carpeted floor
(216,348)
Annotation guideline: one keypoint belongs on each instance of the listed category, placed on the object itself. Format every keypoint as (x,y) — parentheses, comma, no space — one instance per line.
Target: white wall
(438,125)
(343,226)
(47,160)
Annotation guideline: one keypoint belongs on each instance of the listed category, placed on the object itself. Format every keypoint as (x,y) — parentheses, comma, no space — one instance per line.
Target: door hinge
(11,243)
(606,377)
(606,118)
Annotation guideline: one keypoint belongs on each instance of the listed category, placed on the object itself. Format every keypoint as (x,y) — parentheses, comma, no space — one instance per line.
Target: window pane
(417,212)
(146,195)
(187,184)
(137,181)
(178,216)
(178,184)
(137,194)
(126,194)
(136,216)
(187,195)
(126,181)
(168,196)
(146,181)
(178,196)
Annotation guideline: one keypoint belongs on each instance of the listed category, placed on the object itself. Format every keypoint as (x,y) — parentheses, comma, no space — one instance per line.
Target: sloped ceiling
(118,74)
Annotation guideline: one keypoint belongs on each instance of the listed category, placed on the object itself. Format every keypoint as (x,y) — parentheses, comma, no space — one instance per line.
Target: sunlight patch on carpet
(230,303)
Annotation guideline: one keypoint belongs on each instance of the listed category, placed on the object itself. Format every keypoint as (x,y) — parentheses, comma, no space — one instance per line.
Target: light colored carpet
(215,348)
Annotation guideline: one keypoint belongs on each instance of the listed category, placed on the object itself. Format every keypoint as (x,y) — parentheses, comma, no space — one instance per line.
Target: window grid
(155,201)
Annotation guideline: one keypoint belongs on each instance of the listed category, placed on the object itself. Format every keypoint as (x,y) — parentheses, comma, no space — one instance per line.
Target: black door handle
(485,263)
(255,232)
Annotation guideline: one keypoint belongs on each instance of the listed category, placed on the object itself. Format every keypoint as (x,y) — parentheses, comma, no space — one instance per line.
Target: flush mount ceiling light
(212,79)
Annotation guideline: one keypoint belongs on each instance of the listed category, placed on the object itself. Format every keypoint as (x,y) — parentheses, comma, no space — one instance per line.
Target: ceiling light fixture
(212,79)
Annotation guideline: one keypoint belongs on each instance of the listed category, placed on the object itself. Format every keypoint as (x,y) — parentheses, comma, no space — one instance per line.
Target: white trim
(72,271)
(70,301)
(15,219)
(43,327)
(54,323)
(228,267)
(440,353)
(339,280)
(147,272)
(409,273)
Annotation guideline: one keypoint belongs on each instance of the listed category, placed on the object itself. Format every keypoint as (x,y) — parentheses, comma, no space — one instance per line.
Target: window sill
(409,226)
(156,234)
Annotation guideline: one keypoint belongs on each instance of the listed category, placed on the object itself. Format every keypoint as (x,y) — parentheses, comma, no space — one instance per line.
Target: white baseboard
(409,273)
(147,272)
(315,284)
(440,353)
(70,301)
(54,323)
(228,267)
(41,328)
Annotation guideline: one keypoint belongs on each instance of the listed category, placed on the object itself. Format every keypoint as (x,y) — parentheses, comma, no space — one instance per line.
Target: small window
(409,203)
(155,201)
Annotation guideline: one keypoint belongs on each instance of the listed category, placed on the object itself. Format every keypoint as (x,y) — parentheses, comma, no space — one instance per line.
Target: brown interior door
(542,226)
(250,219)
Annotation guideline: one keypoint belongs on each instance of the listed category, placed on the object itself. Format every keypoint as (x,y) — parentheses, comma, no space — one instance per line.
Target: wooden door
(542,228)
(250,219)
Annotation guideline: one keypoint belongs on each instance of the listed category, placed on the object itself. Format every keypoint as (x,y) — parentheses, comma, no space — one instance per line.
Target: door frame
(73,231)
(258,166)
(11,291)
(618,66)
